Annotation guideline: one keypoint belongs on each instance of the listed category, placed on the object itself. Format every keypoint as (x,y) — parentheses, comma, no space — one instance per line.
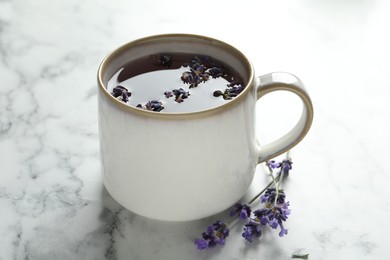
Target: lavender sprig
(273,214)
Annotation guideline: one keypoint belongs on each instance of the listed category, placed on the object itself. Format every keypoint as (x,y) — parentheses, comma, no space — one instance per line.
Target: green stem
(281,173)
(275,180)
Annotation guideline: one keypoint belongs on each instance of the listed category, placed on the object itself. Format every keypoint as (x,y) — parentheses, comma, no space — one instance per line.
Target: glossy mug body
(190,165)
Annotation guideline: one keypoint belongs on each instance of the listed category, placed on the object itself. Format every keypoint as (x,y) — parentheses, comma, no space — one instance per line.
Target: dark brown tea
(175,82)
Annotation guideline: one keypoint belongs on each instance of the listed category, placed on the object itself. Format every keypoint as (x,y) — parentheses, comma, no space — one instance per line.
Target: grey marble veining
(52,201)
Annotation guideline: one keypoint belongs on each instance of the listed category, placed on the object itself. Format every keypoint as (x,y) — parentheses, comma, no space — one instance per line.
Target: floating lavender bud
(165,60)
(154,105)
(234,82)
(198,69)
(217,93)
(233,91)
(229,93)
(122,92)
(195,62)
(168,94)
(215,72)
(180,94)
(196,75)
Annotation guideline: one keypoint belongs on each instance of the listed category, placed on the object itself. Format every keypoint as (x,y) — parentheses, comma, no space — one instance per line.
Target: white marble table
(52,201)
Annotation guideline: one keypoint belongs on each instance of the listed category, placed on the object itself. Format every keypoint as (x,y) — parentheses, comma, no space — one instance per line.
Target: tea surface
(175,83)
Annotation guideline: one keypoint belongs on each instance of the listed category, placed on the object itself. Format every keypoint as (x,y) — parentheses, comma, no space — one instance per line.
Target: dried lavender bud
(165,60)
(168,94)
(186,77)
(120,91)
(285,165)
(196,75)
(153,105)
(195,62)
(233,91)
(217,93)
(215,72)
(234,82)
(229,93)
(205,77)
(180,94)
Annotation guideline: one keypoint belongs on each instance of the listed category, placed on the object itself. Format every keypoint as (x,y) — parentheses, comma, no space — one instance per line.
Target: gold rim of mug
(120,50)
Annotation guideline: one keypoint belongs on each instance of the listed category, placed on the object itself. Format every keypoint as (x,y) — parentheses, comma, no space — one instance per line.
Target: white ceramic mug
(190,165)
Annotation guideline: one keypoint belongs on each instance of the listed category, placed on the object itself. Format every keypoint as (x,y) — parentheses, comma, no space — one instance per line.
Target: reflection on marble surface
(53,204)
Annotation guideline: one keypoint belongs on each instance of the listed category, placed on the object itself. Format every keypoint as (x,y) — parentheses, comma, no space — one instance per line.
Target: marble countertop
(53,204)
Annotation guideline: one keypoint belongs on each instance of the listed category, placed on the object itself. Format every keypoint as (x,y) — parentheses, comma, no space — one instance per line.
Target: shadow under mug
(179,166)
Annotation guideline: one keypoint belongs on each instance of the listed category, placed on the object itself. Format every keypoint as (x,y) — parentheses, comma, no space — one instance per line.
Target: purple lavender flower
(215,234)
(198,69)
(192,79)
(195,62)
(120,91)
(262,215)
(243,210)
(270,194)
(229,93)
(285,210)
(285,165)
(153,105)
(251,229)
(215,72)
(217,93)
(201,243)
(186,77)
(196,75)
(180,94)
(273,165)
(233,91)
(168,94)
(274,216)
(233,82)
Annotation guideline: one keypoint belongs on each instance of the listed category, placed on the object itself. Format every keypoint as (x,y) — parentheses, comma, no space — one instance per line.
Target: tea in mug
(175,82)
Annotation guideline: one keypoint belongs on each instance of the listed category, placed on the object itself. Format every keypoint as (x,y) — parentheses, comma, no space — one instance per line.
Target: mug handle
(285,81)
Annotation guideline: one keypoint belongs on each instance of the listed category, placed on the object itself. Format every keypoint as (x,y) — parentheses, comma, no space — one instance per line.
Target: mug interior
(175,43)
